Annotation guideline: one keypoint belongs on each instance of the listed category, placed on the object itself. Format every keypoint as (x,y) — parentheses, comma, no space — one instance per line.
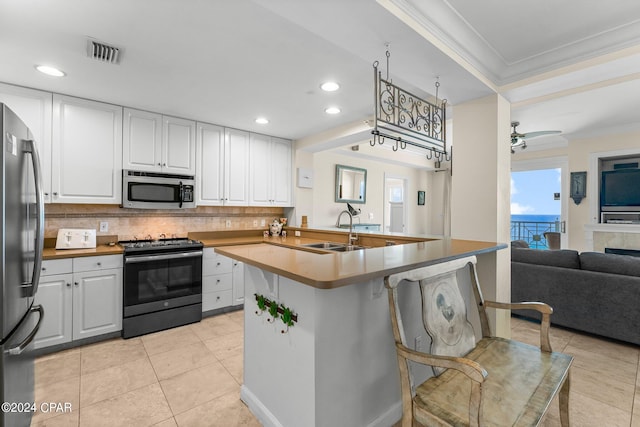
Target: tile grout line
(155,373)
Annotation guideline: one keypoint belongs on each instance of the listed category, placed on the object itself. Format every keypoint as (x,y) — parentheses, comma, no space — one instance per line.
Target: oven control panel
(76,238)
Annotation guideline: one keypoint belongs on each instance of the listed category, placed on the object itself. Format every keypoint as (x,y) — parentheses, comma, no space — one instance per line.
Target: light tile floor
(191,376)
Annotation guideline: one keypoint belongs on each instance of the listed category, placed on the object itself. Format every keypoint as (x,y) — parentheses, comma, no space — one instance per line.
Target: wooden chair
(492,382)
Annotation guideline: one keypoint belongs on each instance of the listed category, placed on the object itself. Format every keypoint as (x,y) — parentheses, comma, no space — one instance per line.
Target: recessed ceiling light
(50,71)
(332,110)
(262,121)
(329,86)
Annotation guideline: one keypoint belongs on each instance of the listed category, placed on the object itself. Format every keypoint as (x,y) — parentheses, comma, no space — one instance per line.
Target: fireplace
(622,251)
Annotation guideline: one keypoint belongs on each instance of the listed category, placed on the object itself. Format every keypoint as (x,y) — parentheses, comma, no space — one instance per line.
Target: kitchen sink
(333,246)
(324,245)
(346,248)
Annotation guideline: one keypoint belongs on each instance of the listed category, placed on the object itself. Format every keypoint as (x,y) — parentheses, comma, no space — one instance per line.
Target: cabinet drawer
(217,282)
(217,264)
(56,266)
(213,300)
(102,262)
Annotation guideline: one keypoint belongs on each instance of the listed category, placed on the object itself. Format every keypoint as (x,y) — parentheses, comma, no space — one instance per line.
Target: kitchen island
(336,365)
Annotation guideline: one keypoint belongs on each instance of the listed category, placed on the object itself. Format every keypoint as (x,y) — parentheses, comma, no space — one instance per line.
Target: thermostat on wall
(76,238)
(305,178)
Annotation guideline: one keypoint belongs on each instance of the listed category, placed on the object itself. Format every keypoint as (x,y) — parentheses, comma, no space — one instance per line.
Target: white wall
(480,197)
(322,210)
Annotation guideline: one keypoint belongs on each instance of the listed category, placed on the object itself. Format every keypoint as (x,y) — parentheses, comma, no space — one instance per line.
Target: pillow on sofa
(610,263)
(567,258)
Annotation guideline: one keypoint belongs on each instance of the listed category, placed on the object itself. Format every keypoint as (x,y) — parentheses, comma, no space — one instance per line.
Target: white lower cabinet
(220,279)
(56,297)
(97,302)
(82,297)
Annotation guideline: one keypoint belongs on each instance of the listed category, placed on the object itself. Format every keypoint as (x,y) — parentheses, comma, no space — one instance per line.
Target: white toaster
(76,238)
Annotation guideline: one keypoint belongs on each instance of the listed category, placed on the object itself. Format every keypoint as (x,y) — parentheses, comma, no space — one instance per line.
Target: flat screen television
(620,190)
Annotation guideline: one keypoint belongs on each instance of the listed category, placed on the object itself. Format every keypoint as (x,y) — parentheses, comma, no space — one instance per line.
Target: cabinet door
(56,296)
(210,165)
(179,146)
(97,302)
(142,140)
(87,151)
(236,182)
(238,283)
(260,165)
(34,108)
(282,181)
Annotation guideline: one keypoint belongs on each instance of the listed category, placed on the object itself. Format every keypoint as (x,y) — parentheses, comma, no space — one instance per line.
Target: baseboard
(388,418)
(266,418)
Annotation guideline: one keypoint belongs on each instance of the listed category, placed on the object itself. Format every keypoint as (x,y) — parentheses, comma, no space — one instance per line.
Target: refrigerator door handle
(20,348)
(39,244)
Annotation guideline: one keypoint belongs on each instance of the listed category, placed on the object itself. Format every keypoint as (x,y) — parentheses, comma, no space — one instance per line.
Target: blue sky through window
(532,192)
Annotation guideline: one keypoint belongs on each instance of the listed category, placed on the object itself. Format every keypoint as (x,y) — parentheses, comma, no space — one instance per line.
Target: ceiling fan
(518,139)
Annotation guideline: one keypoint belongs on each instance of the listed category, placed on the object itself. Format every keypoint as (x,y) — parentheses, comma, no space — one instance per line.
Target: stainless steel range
(162,285)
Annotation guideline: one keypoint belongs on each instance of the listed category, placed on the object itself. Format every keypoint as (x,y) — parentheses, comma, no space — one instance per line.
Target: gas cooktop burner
(181,242)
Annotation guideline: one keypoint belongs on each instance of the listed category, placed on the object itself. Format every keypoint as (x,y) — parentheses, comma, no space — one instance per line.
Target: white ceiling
(572,65)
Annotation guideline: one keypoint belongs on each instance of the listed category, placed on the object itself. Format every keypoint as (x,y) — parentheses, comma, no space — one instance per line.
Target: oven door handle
(147,258)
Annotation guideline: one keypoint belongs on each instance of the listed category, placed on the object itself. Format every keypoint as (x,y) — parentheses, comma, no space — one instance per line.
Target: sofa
(594,292)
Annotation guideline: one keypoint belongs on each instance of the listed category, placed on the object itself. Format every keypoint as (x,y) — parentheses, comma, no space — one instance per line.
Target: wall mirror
(351,184)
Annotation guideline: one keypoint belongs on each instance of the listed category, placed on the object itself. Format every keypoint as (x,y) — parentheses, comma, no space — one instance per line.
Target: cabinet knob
(99,264)
(159,164)
(218,264)
(164,164)
(44,269)
(46,194)
(55,193)
(76,283)
(68,285)
(218,281)
(218,298)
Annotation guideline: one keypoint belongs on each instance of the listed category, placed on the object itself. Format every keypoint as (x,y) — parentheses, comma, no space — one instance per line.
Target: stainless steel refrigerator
(22,236)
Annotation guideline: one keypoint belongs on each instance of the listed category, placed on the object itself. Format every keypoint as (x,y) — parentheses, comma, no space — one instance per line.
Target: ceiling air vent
(103,52)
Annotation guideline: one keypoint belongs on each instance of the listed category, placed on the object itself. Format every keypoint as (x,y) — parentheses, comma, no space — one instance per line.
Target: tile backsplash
(140,223)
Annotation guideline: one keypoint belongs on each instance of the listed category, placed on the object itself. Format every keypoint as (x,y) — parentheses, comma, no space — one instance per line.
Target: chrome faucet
(352,238)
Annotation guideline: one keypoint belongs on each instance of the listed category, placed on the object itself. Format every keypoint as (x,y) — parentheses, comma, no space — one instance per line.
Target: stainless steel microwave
(152,190)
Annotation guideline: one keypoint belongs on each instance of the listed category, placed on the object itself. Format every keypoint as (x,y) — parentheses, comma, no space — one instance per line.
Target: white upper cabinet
(142,140)
(260,170)
(282,181)
(236,184)
(270,171)
(223,166)
(156,143)
(178,145)
(210,165)
(86,151)
(34,108)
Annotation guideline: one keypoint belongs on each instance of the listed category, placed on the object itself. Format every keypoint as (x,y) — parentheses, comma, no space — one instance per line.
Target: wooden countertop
(53,253)
(316,267)
(335,269)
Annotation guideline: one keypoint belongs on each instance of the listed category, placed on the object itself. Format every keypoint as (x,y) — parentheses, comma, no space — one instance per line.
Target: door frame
(559,162)
(385,198)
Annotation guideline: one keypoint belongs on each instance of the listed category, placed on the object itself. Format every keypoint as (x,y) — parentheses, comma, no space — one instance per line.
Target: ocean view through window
(535,206)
